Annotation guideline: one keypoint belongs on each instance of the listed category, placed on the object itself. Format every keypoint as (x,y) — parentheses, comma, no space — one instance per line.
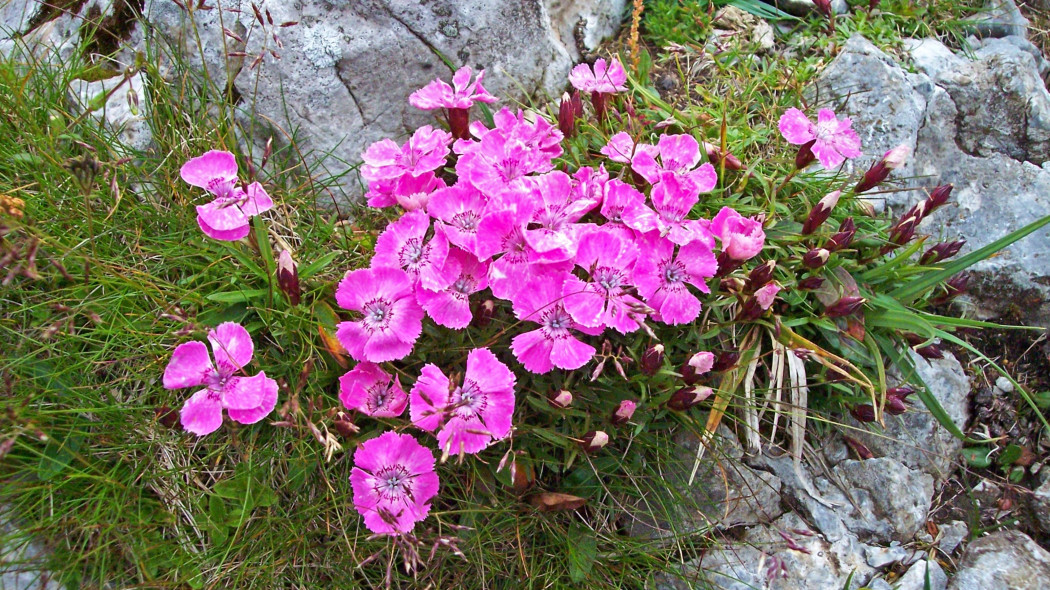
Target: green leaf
(237,296)
(56,457)
(977,457)
(1010,454)
(308,270)
(913,289)
(583,550)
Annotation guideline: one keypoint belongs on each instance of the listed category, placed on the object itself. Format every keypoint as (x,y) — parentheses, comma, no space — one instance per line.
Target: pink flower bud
(863,413)
(749,310)
(715,156)
(810,283)
(459,123)
(820,212)
(878,172)
(623,412)
(652,360)
(805,156)
(844,237)
(687,397)
(760,275)
(560,399)
(941,251)
(483,313)
(594,441)
(844,306)
(288,277)
(766,295)
(697,365)
(570,109)
(824,6)
(815,258)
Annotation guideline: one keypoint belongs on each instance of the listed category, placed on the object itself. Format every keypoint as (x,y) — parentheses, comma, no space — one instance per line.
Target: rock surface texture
(1004,559)
(982,124)
(338,79)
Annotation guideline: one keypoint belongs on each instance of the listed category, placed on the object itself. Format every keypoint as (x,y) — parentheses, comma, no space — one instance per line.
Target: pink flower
(471,415)
(560,206)
(450,307)
(410,192)
(246,399)
(742,237)
(393,480)
(370,390)
(604,300)
(461,95)
(461,208)
(673,198)
(679,156)
(509,152)
(606,77)
(392,319)
(553,344)
(663,277)
(622,200)
(403,244)
(766,295)
(621,148)
(834,140)
(227,217)
(424,152)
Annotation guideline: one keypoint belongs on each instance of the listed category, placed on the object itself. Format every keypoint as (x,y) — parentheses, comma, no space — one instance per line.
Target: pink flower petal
(429,396)
(223,214)
(796,127)
(232,346)
(267,401)
(569,353)
(533,351)
(200,171)
(243,393)
(189,366)
(258,200)
(202,413)
(230,235)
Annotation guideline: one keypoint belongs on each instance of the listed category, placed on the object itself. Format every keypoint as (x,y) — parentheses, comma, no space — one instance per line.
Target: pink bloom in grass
(510,151)
(742,237)
(470,415)
(464,275)
(622,200)
(403,244)
(461,208)
(606,77)
(461,95)
(392,319)
(674,198)
(503,232)
(370,390)
(679,156)
(621,148)
(834,139)
(766,295)
(425,151)
(408,191)
(604,299)
(559,207)
(393,481)
(553,344)
(663,277)
(227,217)
(246,399)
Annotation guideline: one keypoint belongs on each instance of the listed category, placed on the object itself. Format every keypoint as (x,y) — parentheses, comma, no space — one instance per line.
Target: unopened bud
(726,264)
(687,397)
(623,412)
(880,170)
(715,155)
(902,392)
(483,313)
(805,156)
(815,258)
(941,251)
(697,365)
(938,197)
(560,399)
(652,360)
(844,306)
(749,311)
(594,441)
(731,285)
(167,416)
(894,406)
(844,237)
(459,123)
(820,212)
(570,109)
(288,277)
(760,275)
(766,295)
(930,352)
(954,287)
(810,283)
(344,426)
(725,360)
(863,413)
(824,6)
(873,4)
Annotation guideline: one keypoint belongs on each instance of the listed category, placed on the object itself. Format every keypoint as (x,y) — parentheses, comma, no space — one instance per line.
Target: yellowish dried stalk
(632,40)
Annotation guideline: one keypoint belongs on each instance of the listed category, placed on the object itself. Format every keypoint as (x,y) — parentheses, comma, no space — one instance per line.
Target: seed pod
(687,397)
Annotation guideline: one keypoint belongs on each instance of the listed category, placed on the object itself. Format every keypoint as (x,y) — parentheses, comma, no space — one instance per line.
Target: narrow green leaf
(237,296)
(308,270)
(583,550)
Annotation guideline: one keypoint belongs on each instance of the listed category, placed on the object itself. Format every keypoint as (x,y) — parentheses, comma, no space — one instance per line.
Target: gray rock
(807,7)
(982,125)
(1003,559)
(1001,18)
(124,112)
(891,499)
(916,438)
(1004,385)
(952,535)
(915,577)
(931,57)
(20,557)
(1011,44)
(879,584)
(880,557)
(1040,504)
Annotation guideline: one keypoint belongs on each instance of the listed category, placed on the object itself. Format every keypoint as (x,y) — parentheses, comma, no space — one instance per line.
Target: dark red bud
(824,6)
(687,397)
(344,426)
(858,447)
(167,416)
(761,275)
(483,313)
(726,264)
(954,287)
(815,258)
(749,310)
(878,172)
(570,109)
(725,360)
(938,197)
(731,285)
(599,100)
(288,277)
(594,441)
(560,399)
(652,360)
(844,306)
(941,251)
(901,392)
(930,352)
(863,413)
(805,156)
(715,155)
(810,283)
(844,237)
(873,4)
(894,406)
(459,123)
(820,212)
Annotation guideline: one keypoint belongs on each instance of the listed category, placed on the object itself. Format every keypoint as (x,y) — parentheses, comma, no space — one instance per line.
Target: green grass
(122,498)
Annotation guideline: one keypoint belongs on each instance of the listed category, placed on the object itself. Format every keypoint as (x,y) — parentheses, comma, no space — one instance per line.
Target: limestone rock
(915,577)
(1040,504)
(123,112)
(1001,18)
(1003,559)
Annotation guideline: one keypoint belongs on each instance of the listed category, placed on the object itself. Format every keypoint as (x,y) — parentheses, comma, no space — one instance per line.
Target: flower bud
(938,197)
(858,447)
(750,310)
(930,352)
(483,313)
(844,306)
(954,287)
(842,238)
(824,6)
(880,170)
(167,416)
(652,360)
(344,426)
(805,156)
(459,123)
(820,212)
(687,397)
(570,109)
(725,360)
(726,264)
(941,251)
(810,283)
(594,441)
(715,155)
(697,365)
(863,413)
(815,258)
(560,399)
(731,285)
(894,406)
(760,275)
(873,4)
(902,392)
(288,277)
(623,412)
(766,295)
